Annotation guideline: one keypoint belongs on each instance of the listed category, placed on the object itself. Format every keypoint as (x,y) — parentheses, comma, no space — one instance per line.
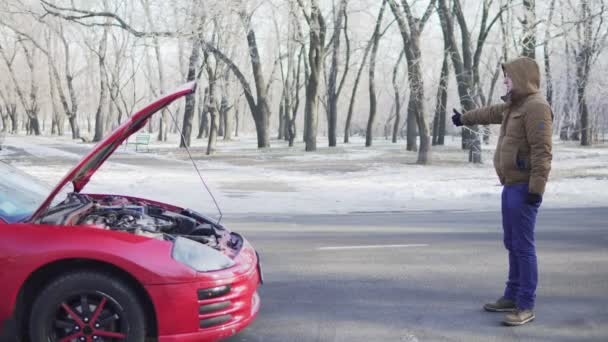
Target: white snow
(286,181)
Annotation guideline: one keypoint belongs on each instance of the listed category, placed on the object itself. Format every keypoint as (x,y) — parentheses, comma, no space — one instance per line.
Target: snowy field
(286,181)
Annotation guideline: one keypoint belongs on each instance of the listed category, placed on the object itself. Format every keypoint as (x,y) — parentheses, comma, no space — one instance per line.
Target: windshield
(20,194)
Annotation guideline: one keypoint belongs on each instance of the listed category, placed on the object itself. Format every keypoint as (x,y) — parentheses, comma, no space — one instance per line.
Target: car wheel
(87,307)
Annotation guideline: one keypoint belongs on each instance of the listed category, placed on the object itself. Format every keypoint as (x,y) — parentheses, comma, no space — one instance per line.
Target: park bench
(142,139)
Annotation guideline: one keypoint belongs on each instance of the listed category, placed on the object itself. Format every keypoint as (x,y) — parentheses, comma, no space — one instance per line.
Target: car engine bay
(139,217)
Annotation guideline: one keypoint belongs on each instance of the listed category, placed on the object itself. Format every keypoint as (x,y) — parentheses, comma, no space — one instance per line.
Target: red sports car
(84,267)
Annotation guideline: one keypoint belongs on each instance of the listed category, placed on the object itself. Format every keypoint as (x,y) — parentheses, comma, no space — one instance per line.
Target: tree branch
(57,12)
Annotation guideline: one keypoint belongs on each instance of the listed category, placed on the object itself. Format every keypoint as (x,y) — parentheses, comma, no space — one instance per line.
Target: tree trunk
(281,130)
(463,73)
(225,110)
(103,88)
(547,61)
(261,128)
(411,129)
(369,133)
(190,99)
(162,121)
(262,110)
(11,107)
(529,26)
(442,99)
(582,73)
(71,112)
(332,91)
(315,57)
(222,116)
(236,121)
(353,96)
(31,106)
(12,113)
(213,115)
(203,123)
(33,109)
(583,67)
(564,133)
(397,97)
(5,121)
(413,54)
(296,96)
(56,120)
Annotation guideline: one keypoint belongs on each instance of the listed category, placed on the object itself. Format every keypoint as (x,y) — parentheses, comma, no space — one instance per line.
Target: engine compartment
(139,217)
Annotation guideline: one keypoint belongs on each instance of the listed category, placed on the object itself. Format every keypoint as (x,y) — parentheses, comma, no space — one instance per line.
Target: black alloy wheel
(87,307)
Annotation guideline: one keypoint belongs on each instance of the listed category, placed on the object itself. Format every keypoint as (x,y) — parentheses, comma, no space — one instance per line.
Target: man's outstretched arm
(482,116)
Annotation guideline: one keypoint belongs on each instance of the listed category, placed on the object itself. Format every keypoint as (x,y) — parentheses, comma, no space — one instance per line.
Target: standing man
(522,162)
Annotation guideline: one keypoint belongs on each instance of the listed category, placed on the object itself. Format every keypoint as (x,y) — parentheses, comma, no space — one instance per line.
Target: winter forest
(318,71)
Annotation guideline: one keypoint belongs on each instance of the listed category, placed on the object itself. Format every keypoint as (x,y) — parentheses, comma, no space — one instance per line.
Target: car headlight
(198,256)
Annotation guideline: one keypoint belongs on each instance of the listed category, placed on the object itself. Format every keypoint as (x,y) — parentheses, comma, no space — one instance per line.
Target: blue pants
(518,221)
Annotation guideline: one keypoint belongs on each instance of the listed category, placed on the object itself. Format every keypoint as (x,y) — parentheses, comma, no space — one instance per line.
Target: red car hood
(82,172)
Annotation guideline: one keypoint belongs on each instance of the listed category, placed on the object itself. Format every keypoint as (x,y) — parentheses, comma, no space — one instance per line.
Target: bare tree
(56,117)
(466,64)
(30,104)
(212,105)
(8,111)
(546,54)
(411,28)
(372,74)
(362,64)
(226,108)
(529,25)
(316,52)
(442,99)
(258,104)
(333,89)
(591,34)
(103,85)
(162,127)
(397,118)
(353,96)
(189,108)
(203,111)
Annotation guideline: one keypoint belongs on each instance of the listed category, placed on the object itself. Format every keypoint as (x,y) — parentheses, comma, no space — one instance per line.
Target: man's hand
(534,199)
(456,118)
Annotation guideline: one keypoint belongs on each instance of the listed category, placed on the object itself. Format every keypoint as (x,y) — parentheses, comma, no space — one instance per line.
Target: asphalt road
(428,280)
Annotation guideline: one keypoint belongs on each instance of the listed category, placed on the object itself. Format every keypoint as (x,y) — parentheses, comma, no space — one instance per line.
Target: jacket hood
(525,74)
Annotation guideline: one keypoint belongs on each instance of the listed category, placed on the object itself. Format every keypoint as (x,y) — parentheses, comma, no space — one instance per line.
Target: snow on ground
(286,181)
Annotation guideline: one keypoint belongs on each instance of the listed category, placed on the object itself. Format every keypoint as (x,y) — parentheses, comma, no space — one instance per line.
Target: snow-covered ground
(286,181)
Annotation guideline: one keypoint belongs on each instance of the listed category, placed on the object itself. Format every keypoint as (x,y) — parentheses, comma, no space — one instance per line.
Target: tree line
(296,65)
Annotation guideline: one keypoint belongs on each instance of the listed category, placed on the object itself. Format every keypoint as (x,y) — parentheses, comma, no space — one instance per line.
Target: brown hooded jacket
(523,153)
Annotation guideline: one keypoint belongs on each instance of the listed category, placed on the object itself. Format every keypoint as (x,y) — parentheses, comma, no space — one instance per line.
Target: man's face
(508,83)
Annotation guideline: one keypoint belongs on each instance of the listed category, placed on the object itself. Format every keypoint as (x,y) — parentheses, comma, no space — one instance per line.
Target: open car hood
(79,176)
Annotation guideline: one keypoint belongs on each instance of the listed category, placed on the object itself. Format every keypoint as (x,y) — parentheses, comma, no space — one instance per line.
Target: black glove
(534,199)
(456,118)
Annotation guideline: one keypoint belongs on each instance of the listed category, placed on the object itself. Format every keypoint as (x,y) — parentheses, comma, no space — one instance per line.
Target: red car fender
(25,248)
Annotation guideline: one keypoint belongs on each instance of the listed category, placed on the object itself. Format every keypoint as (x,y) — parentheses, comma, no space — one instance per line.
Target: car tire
(107,309)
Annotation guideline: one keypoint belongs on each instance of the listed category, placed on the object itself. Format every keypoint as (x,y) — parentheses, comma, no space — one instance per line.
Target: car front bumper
(215,306)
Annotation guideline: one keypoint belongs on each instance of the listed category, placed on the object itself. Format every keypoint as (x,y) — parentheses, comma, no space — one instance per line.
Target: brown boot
(518,317)
(501,305)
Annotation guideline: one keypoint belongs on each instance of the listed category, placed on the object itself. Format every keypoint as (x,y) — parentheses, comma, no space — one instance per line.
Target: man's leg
(524,221)
(512,287)
(507,302)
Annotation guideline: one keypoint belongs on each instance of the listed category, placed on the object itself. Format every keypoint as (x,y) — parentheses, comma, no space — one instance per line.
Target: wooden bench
(142,139)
